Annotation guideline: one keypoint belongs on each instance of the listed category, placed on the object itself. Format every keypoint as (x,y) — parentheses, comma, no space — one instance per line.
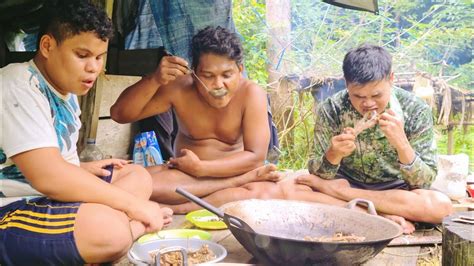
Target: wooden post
(278,14)
(90,103)
(458,241)
(3,49)
(450,139)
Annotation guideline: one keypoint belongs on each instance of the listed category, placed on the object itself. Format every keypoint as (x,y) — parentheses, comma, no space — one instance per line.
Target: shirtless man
(223,128)
(392,163)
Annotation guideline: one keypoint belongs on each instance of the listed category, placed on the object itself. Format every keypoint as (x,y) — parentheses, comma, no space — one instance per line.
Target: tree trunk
(458,241)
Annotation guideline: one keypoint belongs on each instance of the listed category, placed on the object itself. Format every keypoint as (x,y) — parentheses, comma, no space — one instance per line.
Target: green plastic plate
(205,219)
(175,233)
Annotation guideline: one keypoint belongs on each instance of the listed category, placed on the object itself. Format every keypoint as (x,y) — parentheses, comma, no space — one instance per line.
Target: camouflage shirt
(374,160)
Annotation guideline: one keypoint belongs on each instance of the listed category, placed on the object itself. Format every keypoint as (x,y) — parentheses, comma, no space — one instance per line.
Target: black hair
(66,18)
(216,40)
(367,63)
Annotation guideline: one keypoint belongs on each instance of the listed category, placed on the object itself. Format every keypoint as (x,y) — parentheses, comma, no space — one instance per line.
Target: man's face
(374,95)
(73,65)
(217,79)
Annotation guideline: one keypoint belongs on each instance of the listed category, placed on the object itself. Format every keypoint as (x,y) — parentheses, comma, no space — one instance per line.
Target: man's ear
(391,78)
(241,67)
(46,45)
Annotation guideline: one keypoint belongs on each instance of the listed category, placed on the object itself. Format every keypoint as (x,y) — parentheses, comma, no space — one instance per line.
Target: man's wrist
(408,166)
(200,169)
(153,78)
(406,154)
(332,157)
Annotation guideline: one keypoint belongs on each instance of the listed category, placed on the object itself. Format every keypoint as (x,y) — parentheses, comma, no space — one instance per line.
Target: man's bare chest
(226,128)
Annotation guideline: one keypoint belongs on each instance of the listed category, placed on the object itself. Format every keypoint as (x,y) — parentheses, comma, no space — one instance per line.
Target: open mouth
(219,93)
(88,83)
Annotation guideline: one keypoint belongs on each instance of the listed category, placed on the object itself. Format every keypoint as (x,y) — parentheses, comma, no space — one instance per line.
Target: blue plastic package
(146,150)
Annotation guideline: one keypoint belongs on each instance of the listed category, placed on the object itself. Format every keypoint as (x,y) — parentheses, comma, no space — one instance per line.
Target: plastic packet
(146,150)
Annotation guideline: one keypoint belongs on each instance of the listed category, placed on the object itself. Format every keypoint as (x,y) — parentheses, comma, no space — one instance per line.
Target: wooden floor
(411,254)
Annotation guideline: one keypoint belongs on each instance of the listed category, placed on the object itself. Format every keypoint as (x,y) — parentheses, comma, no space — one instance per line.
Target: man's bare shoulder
(250,88)
(181,92)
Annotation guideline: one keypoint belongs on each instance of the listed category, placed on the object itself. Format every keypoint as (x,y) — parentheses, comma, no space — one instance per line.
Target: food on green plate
(207,219)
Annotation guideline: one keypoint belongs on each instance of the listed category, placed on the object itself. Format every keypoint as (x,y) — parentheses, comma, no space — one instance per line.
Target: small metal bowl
(139,252)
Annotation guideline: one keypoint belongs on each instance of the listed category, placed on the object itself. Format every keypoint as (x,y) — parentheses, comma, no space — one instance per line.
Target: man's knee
(140,173)
(441,204)
(102,234)
(437,205)
(137,178)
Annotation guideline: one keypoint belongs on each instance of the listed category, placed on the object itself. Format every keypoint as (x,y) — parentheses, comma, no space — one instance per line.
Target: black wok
(273,231)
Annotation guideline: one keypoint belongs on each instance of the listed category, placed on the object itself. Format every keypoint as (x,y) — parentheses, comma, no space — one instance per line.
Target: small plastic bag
(452,175)
(146,151)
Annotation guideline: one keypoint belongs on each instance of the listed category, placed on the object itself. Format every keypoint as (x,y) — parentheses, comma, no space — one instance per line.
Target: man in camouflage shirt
(393,162)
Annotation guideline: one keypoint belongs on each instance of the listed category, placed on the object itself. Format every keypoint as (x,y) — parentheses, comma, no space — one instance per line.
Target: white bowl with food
(169,252)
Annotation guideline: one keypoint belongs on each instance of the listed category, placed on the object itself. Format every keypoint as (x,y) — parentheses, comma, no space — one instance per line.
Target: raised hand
(392,128)
(342,145)
(170,68)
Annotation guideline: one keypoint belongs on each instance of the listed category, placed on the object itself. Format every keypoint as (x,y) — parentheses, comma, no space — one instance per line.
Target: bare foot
(407,226)
(167,215)
(268,172)
(325,186)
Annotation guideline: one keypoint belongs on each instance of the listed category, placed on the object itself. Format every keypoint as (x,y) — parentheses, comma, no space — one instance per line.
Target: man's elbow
(118,115)
(45,188)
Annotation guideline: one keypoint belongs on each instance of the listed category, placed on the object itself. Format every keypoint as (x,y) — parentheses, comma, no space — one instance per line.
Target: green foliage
(249,18)
(463,142)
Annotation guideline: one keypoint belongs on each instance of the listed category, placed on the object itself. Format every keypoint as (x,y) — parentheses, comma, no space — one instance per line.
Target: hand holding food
(341,146)
(393,129)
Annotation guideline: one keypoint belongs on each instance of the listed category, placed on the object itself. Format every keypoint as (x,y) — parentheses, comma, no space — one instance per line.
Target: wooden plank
(419,237)
(114,139)
(3,50)
(395,256)
(18,57)
(113,85)
(89,114)
(137,62)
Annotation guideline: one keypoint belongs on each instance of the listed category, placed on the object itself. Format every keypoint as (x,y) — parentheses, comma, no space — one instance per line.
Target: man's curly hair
(216,40)
(66,18)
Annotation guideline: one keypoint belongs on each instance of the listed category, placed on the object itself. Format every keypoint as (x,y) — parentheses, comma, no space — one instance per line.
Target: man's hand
(342,146)
(188,162)
(392,128)
(150,214)
(97,167)
(170,68)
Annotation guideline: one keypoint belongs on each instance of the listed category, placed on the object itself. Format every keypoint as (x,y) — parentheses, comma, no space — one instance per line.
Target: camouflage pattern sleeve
(419,129)
(323,132)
